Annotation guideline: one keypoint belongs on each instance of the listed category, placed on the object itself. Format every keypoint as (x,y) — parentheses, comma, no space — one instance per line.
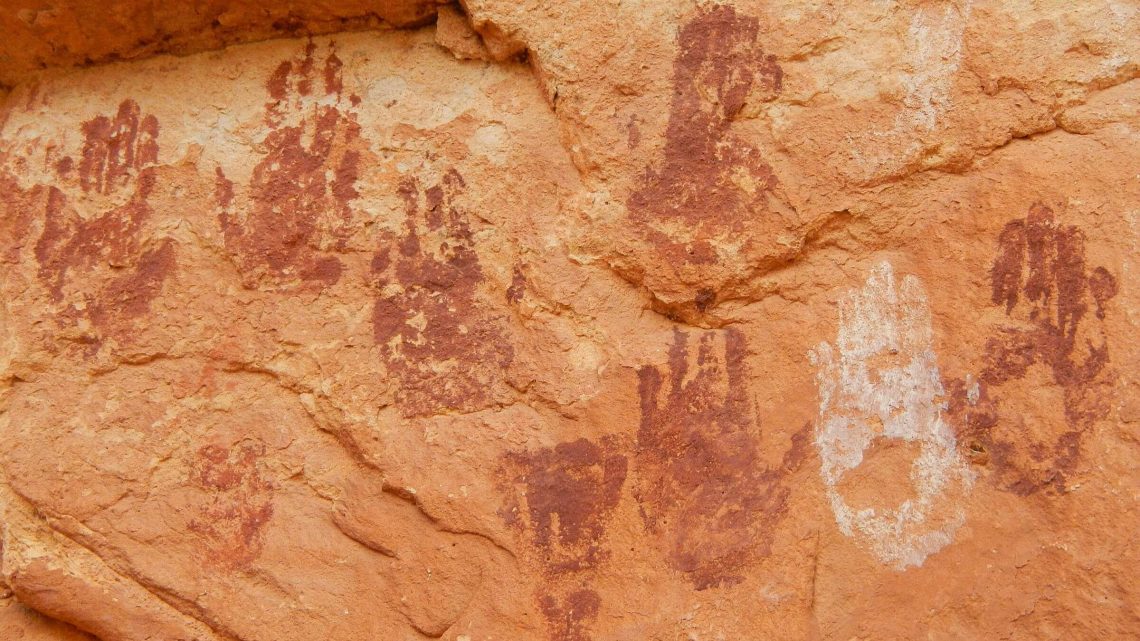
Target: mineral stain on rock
(706,497)
(1041,280)
(445,352)
(18,208)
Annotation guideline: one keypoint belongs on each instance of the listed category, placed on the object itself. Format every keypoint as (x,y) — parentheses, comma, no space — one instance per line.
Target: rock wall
(570,321)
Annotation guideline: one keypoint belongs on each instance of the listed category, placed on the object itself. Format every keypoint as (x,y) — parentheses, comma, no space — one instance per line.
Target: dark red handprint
(710,181)
(301,192)
(115,150)
(1041,279)
(102,268)
(445,351)
(562,499)
(570,617)
(704,492)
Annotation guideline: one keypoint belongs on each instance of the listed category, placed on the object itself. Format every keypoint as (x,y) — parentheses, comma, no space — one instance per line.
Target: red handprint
(710,181)
(237,505)
(103,268)
(703,490)
(301,192)
(446,353)
(1041,279)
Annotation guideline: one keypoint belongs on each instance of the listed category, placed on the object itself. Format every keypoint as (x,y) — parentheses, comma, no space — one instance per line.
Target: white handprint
(881,381)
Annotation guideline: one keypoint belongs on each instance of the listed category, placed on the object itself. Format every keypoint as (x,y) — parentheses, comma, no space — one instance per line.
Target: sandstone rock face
(570,321)
(71,33)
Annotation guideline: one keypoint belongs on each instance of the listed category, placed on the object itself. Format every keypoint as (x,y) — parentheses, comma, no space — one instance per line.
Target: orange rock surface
(569,321)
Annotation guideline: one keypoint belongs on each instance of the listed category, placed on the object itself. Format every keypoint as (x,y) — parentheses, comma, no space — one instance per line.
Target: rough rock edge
(402,14)
(38,559)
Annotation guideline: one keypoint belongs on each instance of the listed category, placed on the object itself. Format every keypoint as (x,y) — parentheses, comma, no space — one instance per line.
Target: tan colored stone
(21,623)
(453,31)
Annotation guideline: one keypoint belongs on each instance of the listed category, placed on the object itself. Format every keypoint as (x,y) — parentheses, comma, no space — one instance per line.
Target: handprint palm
(116,271)
(302,190)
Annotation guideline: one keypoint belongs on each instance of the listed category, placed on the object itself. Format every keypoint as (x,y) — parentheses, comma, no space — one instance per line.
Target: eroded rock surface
(569,321)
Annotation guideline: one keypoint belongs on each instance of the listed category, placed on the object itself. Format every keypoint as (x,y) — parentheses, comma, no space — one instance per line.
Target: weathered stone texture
(569,321)
(75,33)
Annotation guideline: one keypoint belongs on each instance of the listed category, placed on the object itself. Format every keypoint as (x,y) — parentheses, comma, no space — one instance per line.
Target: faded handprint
(237,502)
(102,268)
(571,616)
(302,190)
(880,407)
(445,352)
(17,211)
(116,150)
(1040,278)
(932,54)
(700,481)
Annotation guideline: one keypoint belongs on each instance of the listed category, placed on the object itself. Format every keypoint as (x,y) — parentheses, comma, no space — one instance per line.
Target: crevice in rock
(183,29)
(56,626)
(10,499)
